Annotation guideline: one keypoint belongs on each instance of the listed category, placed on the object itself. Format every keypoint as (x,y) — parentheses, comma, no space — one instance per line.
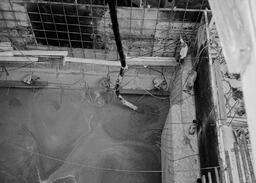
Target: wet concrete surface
(79,136)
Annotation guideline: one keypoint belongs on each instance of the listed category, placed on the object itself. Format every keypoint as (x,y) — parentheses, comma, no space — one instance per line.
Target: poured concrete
(60,135)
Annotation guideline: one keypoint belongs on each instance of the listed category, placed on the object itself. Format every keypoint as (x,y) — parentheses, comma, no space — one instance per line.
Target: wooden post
(249,91)
(203,179)
(217,175)
(209,177)
(244,162)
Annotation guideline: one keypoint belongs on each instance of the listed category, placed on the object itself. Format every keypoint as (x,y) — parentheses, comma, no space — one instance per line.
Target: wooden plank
(144,61)
(18,59)
(41,53)
(22,85)
(229,167)
(220,94)
(244,162)
(238,162)
(6,53)
(152,59)
(92,61)
(238,122)
(5,44)
(203,179)
(209,177)
(217,177)
(248,158)
(157,61)
(6,48)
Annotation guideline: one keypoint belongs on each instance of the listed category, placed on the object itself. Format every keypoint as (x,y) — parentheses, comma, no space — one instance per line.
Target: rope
(106,169)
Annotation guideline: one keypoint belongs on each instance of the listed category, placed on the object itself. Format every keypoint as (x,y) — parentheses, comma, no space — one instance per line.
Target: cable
(151,52)
(101,168)
(164,47)
(232,119)
(161,98)
(185,157)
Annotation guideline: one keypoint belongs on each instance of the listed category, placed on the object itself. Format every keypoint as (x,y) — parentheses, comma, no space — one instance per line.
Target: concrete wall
(180,161)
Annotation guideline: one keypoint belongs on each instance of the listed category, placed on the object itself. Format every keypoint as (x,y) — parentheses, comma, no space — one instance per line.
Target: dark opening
(62,25)
(68,24)
(205,113)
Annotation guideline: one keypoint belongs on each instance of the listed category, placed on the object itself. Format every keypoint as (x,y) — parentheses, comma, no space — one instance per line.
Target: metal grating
(81,26)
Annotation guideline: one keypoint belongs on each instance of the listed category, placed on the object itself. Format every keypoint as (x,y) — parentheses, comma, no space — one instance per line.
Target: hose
(115,27)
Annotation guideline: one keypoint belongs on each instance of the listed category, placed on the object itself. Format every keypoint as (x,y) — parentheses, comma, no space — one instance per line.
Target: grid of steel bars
(87,26)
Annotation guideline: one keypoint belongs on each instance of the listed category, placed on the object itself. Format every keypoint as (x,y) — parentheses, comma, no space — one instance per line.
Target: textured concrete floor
(77,136)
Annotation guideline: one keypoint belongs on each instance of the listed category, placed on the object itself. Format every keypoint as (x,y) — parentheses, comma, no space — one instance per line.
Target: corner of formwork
(180,160)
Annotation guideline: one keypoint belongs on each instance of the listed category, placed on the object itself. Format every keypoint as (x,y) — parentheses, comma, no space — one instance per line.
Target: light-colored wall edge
(145,61)
(249,91)
(239,43)
(249,85)
(220,130)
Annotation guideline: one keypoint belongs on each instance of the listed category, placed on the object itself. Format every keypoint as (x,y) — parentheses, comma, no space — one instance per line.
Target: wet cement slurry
(79,136)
